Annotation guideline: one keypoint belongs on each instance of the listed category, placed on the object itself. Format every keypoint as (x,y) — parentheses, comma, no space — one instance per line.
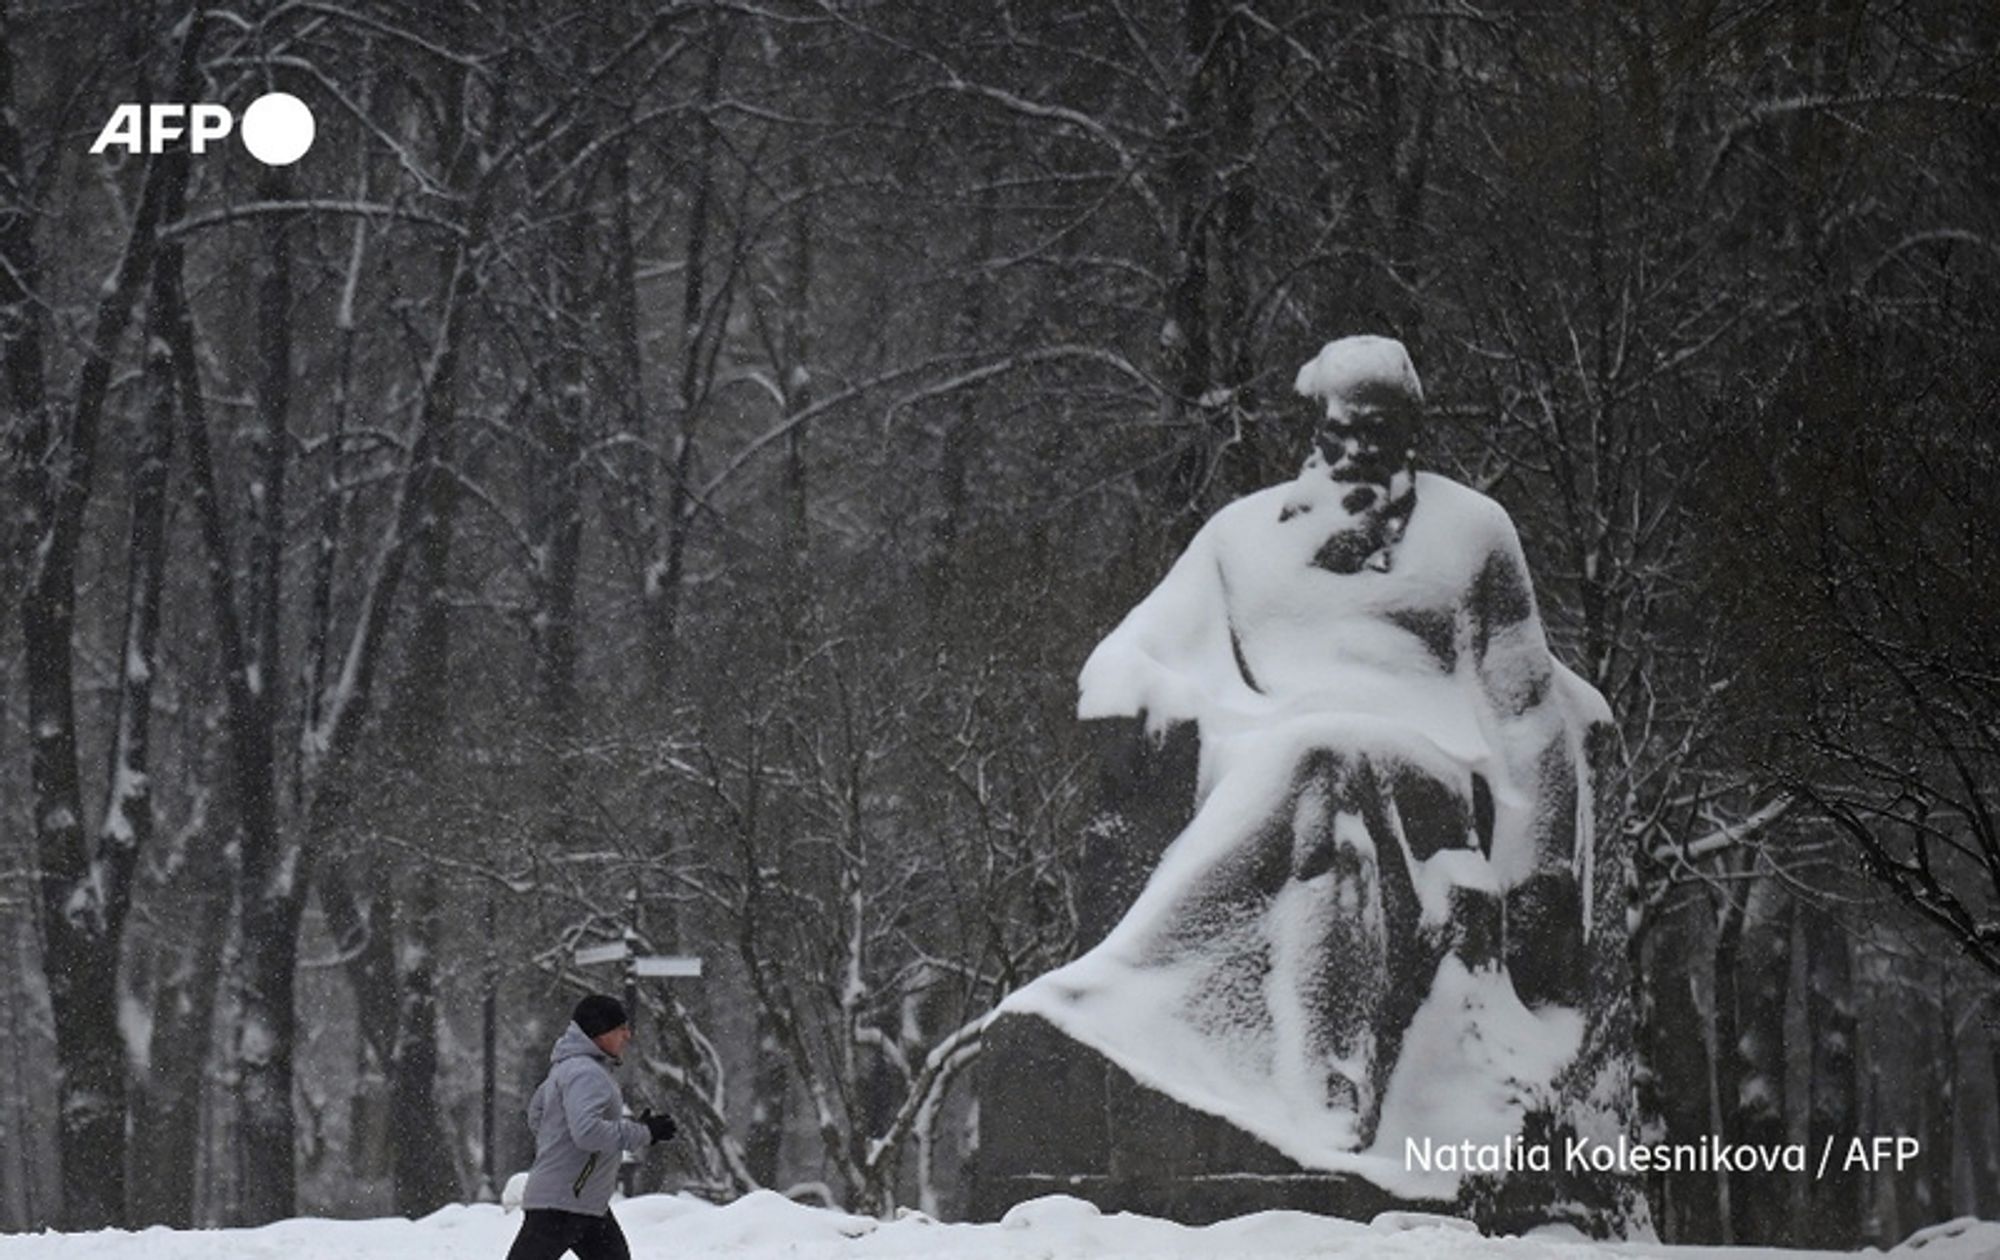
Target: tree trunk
(127,827)
(423,1168)
(1727,1063)
(266,1037)
(273,893)
(771,1078)
(665,571)
(84,885)
(1239,78)
(1833,1218)
(1185,347)
(364,933)
(770,1085)
(1938,1186)
(420,1161)
(333,500)
(1988,1206)
(21,349)
(269,893)
(27,1138)
(961,432)
(774,1043)
(797,386)
(621,302)
(1760,1201)
(1675,1081)
(166,1129)
(489,1061)
(559,421)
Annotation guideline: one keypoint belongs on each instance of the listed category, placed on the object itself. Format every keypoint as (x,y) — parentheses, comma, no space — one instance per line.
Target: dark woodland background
(653,471)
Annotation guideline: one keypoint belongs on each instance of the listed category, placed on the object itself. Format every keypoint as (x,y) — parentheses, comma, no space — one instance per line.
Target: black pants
(547,1233)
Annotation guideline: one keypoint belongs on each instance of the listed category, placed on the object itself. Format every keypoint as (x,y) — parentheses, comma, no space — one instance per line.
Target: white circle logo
(277,128)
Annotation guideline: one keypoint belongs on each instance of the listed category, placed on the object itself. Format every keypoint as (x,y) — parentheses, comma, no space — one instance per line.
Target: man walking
(580,1135)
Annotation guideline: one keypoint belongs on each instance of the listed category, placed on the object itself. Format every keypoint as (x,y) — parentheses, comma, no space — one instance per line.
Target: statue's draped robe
(1389,754)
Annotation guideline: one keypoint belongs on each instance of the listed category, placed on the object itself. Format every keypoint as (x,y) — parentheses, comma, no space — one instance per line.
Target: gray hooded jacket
(579,1130)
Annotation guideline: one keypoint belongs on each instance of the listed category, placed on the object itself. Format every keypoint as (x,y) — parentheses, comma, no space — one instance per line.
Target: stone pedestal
(1058,1118)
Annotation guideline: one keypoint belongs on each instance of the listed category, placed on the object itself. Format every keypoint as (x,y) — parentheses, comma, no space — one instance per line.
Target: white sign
(601,954)
(666,965)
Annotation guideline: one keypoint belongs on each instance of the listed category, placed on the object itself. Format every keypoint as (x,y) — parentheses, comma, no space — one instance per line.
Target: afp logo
(277,128)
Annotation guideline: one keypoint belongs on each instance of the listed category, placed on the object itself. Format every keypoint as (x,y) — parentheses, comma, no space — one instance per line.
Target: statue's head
(1369,407)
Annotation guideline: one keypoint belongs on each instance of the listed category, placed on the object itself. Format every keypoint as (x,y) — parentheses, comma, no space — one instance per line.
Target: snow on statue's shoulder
(1248,627)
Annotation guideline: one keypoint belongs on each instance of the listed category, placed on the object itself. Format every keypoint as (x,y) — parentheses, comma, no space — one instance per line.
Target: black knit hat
(598,1014)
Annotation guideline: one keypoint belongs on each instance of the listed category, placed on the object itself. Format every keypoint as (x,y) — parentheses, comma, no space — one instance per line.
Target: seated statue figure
(1373,927)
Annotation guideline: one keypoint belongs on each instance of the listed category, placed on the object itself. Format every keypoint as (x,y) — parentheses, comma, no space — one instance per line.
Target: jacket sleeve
(536,1106)
(592,1107)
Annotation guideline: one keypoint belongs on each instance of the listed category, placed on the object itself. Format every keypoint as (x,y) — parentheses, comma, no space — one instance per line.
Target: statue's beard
(1376,497)
(1367,465)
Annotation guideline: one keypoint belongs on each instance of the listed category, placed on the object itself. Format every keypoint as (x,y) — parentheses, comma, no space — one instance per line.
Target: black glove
(661,1127)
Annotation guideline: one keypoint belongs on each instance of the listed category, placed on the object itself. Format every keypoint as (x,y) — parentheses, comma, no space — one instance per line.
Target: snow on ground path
(766,1225)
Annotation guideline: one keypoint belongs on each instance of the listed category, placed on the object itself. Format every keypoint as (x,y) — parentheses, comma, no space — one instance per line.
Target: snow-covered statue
(1373,928)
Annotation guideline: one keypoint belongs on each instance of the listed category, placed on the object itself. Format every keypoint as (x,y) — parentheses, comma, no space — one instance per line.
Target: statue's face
(1366,439)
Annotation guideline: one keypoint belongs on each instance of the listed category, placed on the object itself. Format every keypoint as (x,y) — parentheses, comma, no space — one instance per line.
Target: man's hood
(575,1043)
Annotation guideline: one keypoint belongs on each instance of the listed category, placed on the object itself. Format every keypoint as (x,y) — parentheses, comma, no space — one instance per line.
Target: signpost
(592,954)
(667,965)
(641,964)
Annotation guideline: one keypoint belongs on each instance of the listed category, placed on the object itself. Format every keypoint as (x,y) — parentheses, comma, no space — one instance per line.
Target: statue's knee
(1544,939)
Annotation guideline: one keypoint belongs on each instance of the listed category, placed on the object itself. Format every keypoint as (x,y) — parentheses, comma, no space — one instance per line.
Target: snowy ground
(766,1225)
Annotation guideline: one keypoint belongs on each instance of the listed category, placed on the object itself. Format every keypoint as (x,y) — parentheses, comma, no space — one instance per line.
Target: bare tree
(86,880)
